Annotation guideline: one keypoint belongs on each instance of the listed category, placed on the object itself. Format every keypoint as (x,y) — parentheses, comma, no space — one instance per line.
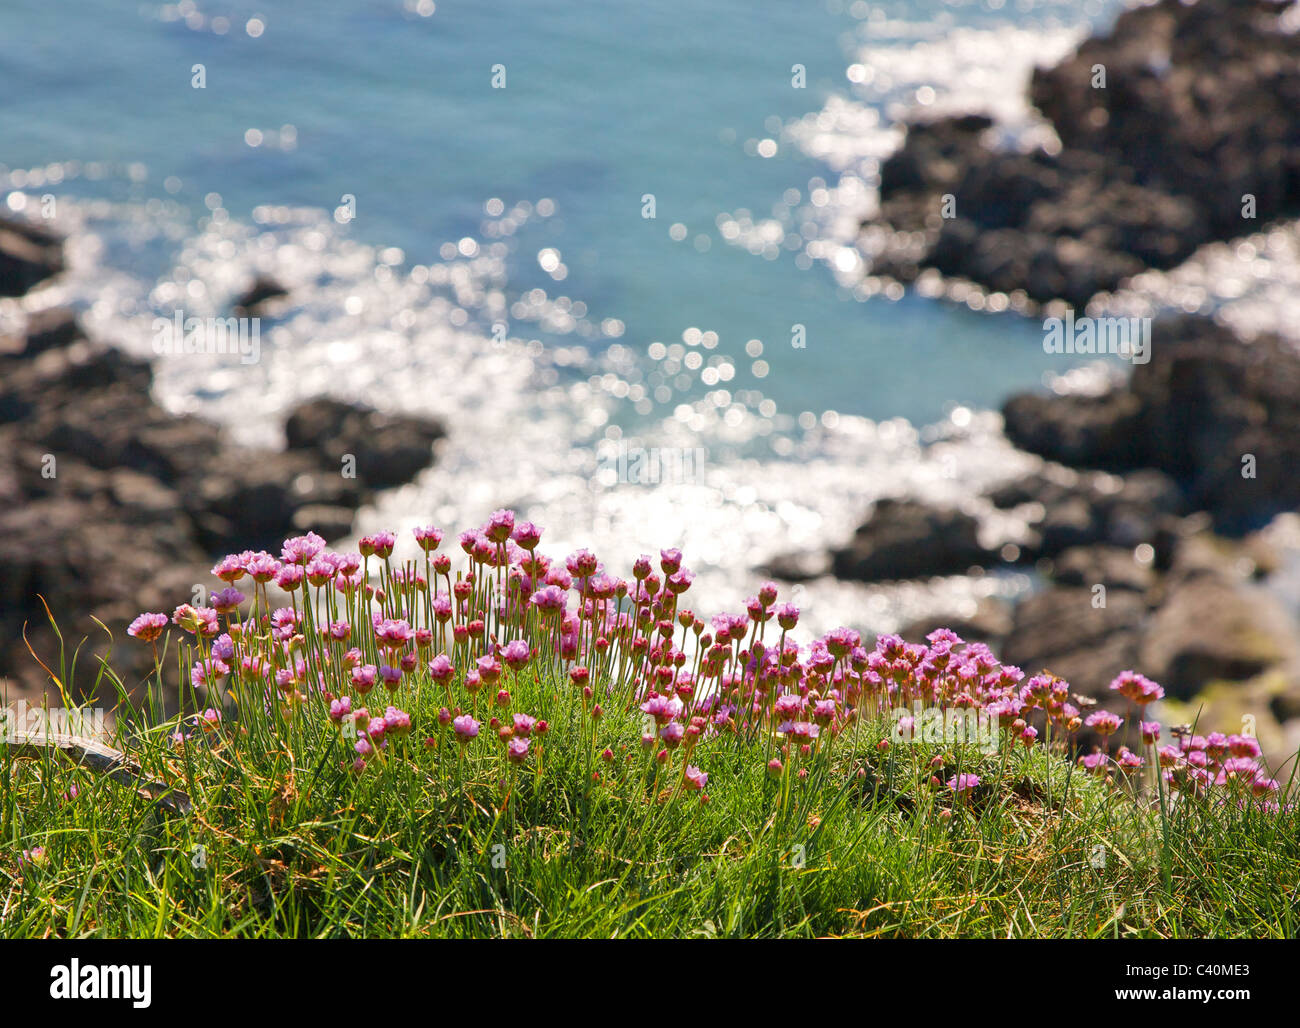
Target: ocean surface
(483,253)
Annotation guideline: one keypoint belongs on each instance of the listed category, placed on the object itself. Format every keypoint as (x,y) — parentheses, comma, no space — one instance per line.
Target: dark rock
(51,329)
(1050,484)
(1072,522)
(57,378)
(84,558)
(1209,400)
(1207,409)
(934,161)
(989,624)
(248,500)
(141,498)
(1111,566)
(1062,631)
(1081,431)
(257,298)
(389,449)
(1210,629)
(1285,706)
(1073,509)
(1146,503)
(907,539)
(1213,623)
(171,447)
(1201,107)
(329,522)
(28,256)
(1200,99)
(797,567)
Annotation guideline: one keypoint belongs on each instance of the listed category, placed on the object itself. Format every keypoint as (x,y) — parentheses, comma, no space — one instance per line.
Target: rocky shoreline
(1179,128)
(1165,501)
(110,505)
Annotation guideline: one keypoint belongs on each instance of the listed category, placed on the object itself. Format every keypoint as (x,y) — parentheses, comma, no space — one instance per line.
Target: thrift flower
(148,627)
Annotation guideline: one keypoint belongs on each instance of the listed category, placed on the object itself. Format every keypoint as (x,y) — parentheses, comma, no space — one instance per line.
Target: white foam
(1251,284)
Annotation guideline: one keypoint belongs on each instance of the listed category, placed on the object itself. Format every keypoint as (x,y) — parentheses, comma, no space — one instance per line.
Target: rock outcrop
(1180,127)
(906,539)
(1219,415)
(28,255)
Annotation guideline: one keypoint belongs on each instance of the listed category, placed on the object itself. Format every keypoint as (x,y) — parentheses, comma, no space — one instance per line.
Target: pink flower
(517,750)
(230,568)
(466,729)
(787,615)
(289,577)
(582,564)
(840,641)
(679,581)
(694,779)
(672,734)
(1263,785)
(515,654)
(148,627)
(320,571)
(393,634)
(227,600)
(527,535)
(441,669)
(500,524)
(428,538)
(963,782)
(1238,769)
(363,678)
(380,544)
(35,855)
(301,548)
(397,722)
(262,567)
(524,725)
(1103,722)
(662,708)
(1137,688)
(196,620)
(285,622)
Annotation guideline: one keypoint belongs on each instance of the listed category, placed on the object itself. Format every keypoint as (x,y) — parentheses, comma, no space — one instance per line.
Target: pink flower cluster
(354,622)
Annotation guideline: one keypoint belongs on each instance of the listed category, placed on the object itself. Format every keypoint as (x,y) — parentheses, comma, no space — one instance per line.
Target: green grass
(283,842)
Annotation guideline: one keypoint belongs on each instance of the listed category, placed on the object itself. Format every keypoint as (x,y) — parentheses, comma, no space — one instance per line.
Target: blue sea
(457,195)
